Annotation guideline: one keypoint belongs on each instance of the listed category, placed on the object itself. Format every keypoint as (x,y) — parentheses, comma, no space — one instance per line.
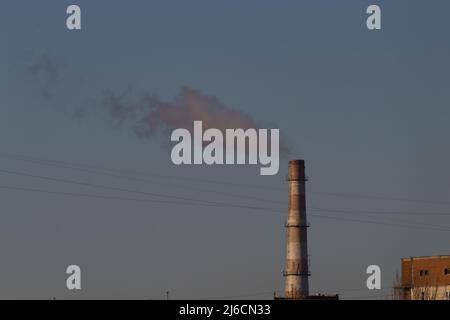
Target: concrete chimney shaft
(296,271)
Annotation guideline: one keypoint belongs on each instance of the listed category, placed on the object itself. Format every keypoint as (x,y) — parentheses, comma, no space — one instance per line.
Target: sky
(367,110)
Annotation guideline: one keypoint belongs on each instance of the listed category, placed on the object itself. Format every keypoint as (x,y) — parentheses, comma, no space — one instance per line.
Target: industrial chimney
(296,273)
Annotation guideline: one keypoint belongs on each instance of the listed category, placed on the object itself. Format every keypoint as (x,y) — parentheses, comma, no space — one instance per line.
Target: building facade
(425,278)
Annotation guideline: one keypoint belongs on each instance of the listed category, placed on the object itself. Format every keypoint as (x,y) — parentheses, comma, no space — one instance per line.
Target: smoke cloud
(149,116)
(45,74)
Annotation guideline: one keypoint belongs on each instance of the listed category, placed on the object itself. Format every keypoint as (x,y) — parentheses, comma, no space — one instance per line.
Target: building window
(447,271)
(423,273)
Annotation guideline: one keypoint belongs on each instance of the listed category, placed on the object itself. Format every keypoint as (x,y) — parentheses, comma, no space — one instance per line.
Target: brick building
(425,278)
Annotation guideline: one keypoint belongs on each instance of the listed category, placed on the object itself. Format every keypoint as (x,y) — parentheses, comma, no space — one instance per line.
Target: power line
(60,164)
(109,173)
(376,197)
(78,166)
(213,203)
(84,195)
(359,213)
(422,226)
(435,228)
(98,186)
(380,212)
(224,205)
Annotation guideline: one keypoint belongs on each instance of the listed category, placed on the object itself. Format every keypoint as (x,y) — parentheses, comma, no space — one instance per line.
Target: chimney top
(297,163)
(296,170)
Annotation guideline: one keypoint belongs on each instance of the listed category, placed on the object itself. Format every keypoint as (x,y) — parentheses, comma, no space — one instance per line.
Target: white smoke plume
(149,116)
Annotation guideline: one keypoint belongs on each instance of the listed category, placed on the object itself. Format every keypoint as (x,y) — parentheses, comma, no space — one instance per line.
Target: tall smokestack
(296,273)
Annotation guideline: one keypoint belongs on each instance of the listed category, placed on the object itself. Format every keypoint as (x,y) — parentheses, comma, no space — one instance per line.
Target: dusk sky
(367,110)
